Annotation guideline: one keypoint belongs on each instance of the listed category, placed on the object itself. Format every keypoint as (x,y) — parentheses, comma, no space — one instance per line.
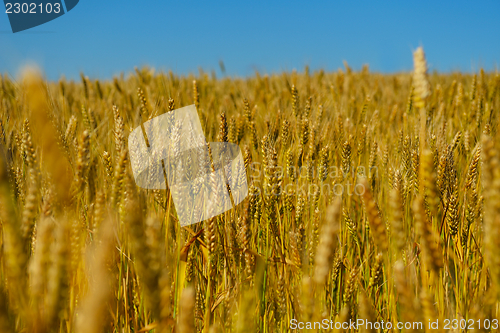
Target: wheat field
(372,197)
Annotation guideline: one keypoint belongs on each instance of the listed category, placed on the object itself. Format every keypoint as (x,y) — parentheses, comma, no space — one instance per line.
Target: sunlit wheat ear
(307,107)
(351,226)
(196,95)
(289,200)
(442,180)
(88,119)
(210,235)
(108,164)
(285,133)
(171,104)
(351,288)
(247,112)
(247,157)
(313,144)
(452,213)
(18,183)
(473,171)
(281,297)
(294,250)
(346,159)
(385,164)
(456,140)
(28,147)
(295,102)
(258,208)
(254,139)
(272,188)
(327,243)
(309,168)
(304,132)
(69,135)
(145,113)
(232,131)
(253,192)
(406,157)
(119,128)
(471,183)
(376,275)
(420,81)
(223,130)
(299,223)
(324,163)
(336,266)
(18,139)
(118,177)
(290,165)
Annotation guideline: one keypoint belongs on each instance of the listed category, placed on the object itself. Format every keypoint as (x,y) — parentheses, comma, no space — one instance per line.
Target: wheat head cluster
(83,249)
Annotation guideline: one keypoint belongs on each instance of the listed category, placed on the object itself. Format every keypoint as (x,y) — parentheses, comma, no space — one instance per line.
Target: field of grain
(371,196)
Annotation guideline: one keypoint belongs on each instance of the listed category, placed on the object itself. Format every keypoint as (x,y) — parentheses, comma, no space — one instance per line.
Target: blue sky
(104,38)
